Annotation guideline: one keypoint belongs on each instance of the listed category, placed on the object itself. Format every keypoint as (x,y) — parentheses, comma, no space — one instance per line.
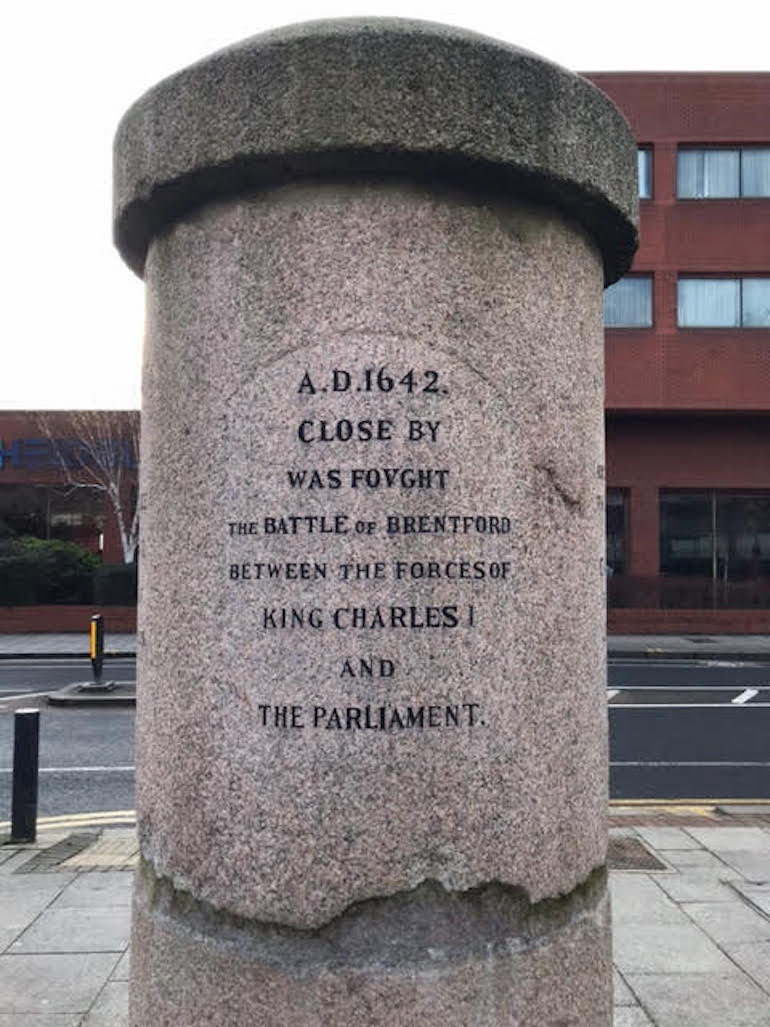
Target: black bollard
(26,739)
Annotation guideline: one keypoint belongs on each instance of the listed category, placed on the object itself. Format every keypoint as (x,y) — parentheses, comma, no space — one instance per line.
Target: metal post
(97,647)
(26,739)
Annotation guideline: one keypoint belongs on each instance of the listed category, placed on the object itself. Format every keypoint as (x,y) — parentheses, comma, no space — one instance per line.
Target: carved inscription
(382,540)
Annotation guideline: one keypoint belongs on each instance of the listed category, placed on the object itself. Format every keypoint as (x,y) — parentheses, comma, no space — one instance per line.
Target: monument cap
(377,96)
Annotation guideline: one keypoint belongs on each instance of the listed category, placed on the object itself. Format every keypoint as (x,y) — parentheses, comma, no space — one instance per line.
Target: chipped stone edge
(424,928)
(238,120)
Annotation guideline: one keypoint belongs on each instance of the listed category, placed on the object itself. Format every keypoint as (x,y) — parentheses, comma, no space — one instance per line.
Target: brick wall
(664,368)
(23,619)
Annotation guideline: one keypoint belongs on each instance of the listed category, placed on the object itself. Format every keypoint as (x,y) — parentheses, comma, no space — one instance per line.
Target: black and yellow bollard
(97,647)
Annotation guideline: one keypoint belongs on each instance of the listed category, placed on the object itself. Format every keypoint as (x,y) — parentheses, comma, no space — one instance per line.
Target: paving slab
(637,899)
(702,860)
(701,1000)
(753,865)
(111,1007)
(121,971)
(732,839)
(669,838)
(39,1020)
(694,886)
(659,948)
(18,859)
(754,959)
(111,888)
(20,905)
(77,930)
(53,983)
(757,894)
(631,1016)
(117,848)
(729,922)
(621,993)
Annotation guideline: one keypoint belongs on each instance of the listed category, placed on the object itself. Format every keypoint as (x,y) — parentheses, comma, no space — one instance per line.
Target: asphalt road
(86,761)
(689,729)
(20,676)
(675,673)
(678,730)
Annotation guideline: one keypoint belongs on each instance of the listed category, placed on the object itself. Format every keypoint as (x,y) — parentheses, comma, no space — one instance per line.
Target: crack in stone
(571,501)
(424,928)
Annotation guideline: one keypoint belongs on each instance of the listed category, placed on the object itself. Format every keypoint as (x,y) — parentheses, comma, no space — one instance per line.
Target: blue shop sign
(41,454)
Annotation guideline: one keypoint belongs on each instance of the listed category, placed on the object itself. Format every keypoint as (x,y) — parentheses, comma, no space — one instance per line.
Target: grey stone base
(426,957)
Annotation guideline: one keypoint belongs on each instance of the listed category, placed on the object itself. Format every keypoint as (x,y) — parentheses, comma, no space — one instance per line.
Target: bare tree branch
(101,451)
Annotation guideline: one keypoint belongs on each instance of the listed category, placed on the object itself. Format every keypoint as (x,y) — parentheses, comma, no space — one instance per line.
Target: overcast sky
(72,312)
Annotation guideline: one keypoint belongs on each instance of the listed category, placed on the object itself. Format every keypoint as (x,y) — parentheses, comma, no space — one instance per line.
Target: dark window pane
(686,533)
(743,536)
(616,532)
(23,511)
(45,511)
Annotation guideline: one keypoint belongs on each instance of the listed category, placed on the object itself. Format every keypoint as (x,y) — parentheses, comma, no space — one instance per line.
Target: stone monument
(371,734)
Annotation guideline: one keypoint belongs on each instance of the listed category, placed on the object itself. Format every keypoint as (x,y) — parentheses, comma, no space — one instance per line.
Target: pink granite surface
(252,307)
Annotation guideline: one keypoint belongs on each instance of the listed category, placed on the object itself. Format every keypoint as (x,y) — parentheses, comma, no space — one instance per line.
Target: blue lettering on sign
(11,454)
(43,454)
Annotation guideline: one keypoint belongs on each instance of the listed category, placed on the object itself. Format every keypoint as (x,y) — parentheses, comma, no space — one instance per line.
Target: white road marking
(686,688)
(67,661)
(612,692)
(723,663)
(685,763)
(749,693)
(686,706)
(75,770)
(647,661)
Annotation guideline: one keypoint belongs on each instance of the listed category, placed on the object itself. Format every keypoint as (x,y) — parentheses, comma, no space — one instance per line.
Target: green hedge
(34,571)
(115,584)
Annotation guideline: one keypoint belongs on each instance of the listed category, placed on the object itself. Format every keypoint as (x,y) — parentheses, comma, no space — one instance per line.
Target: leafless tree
(99,449)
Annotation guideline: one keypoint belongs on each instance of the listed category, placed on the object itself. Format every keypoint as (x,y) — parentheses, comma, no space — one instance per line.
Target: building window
(723,303)
(51,512)
(724,536)
(616,532)
(628,303)
(644,168)
(722,173)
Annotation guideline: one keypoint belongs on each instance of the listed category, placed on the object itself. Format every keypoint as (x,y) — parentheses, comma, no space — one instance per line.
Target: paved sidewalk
(750,647)
(75,643)
(704,647)
(691,940)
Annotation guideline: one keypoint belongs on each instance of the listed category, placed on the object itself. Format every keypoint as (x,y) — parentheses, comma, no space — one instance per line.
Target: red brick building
(688,373)
(54,466)
(688,361)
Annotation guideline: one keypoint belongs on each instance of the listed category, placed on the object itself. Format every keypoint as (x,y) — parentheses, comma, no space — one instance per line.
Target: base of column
(426,958)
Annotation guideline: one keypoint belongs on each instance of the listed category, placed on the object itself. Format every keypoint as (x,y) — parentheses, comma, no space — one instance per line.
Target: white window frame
(644,167)
(740,322)
(740,153)
(647,320)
